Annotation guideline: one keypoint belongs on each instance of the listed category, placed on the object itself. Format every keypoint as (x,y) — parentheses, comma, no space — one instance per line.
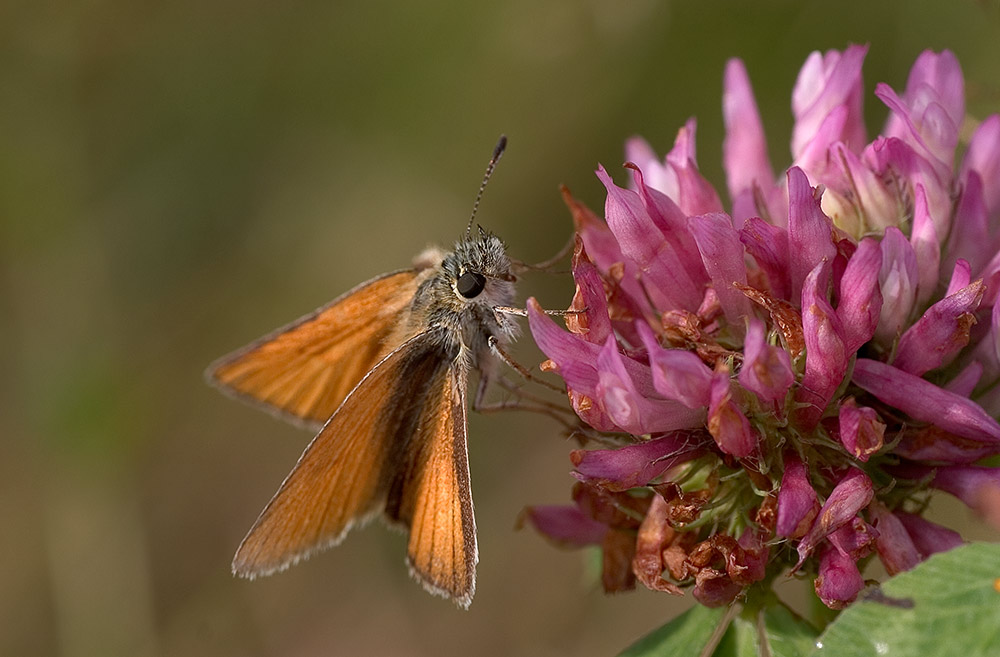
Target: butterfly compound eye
(470,284)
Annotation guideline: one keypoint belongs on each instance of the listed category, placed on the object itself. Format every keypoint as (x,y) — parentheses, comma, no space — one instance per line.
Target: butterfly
(382,373)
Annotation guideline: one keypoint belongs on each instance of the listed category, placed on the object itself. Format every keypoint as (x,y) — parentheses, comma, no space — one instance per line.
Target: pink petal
(857,199)
(797,501)
(976,485)
(574,358)
(937,337)
(854,538)
(723,256)
(566,525)
(965,381)
(658,175)
(898,282)
(928,537)
(849,496)
(926,402)
(826,357)
(932,108)
(860,297)
(961,276)
(684,145)
(595,316)
(643,242)
(861,429)
(752,560)
(839,581)
(895,158)
(814,156)
(877,205)
(970,237)
(895,548)
(809,230)
(603,249)
(695,194)
(987,351)
(617,393)
(727,423)
(600,244)
(625,392)
(687,268)
(940,74)
(933,445)
(677,374)
(928,135)
(767,370)
(768,245)
(635,465)
(745,148)
(825,83)
(983,157)
(926,247)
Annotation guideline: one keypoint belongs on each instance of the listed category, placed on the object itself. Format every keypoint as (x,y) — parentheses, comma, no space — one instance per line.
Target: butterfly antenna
(497,152)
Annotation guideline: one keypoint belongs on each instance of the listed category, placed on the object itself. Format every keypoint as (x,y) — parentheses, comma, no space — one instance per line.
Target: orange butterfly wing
(303,371)
(433,496)
(344,475)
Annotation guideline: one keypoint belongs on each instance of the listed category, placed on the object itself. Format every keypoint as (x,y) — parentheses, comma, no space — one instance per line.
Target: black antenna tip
(501,146)
(497,152)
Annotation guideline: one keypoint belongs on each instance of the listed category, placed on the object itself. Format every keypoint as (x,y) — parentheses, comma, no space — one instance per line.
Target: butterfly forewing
(345,473)
(306,369)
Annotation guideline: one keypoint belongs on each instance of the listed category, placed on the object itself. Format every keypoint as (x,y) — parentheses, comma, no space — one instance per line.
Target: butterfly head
(480,271)
(468,284)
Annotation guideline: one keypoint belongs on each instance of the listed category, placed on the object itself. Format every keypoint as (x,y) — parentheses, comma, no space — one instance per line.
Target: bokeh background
(177,178)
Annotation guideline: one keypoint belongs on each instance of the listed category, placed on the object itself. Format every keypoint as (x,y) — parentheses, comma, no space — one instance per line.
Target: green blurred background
(177,178)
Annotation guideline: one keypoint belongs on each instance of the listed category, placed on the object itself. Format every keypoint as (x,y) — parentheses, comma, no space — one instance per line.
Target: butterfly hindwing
(433,497)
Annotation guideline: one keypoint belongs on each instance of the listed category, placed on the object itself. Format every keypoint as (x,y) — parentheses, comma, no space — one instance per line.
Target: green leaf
(786,634)
(685,635)
(948,606)
(740,639)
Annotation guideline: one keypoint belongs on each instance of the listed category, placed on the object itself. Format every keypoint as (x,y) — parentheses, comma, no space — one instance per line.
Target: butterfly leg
(509,361)
(521,312)
(522,401)
(547,265)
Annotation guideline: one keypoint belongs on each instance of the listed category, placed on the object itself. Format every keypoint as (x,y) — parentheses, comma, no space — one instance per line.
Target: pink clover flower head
(779,380)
